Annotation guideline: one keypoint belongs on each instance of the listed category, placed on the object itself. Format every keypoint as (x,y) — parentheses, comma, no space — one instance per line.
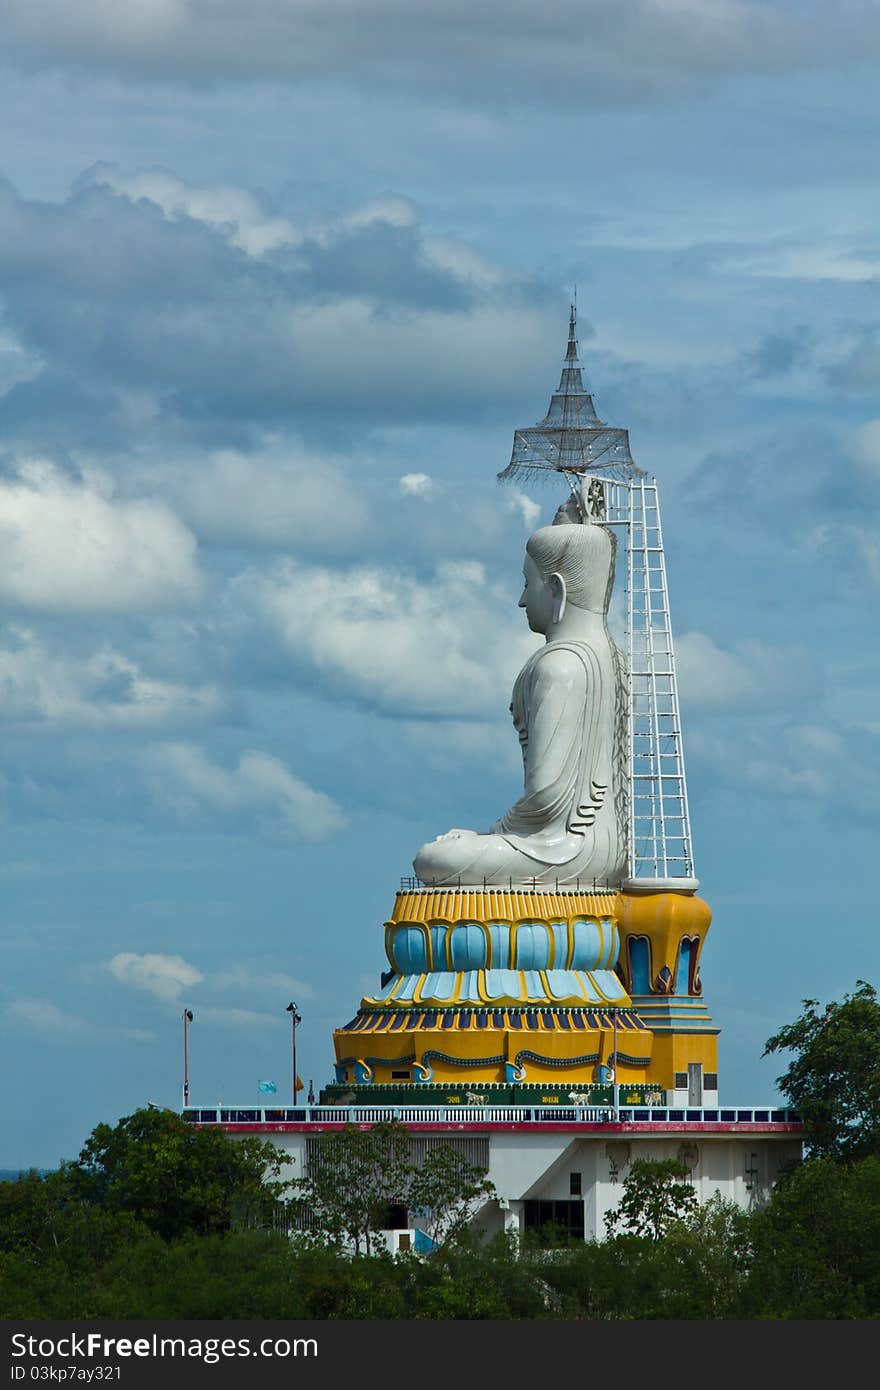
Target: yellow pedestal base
(552,988)
(468,1046)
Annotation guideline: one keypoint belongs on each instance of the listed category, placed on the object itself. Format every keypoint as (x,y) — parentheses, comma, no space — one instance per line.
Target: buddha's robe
(567,824)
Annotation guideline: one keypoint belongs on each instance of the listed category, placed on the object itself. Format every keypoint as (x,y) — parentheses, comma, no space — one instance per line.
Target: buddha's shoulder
(559,660)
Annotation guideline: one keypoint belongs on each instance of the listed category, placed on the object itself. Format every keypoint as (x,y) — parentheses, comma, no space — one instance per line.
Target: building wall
(525,1165)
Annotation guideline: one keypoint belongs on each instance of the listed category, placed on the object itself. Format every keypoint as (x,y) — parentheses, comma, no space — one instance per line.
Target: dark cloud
(368,318)
(383,261)
(807,471)
(858,370)
(777,354)
(57,409)
(563,53)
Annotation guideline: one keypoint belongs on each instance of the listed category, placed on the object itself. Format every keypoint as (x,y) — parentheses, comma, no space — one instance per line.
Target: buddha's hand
(453,835)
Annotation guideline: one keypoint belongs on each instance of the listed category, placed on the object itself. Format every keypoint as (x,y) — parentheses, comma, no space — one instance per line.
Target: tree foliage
(176,1177)
(446,1192)
(356,1173)
(812,1252)
(816,1245)
(656,1194)
(833,1079)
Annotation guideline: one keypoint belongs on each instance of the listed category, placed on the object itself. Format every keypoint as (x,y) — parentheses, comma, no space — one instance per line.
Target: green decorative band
(560,1062)
(462,1061)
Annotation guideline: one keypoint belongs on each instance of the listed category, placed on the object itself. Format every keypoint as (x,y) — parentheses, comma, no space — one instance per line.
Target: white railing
(489,1114)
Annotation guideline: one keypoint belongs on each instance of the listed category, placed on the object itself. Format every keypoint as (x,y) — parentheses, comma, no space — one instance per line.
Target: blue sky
(277,282)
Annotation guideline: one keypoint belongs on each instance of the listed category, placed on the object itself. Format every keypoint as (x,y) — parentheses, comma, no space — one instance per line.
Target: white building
(552,1165)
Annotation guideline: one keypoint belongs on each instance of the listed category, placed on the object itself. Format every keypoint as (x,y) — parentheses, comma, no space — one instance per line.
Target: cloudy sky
(278,280)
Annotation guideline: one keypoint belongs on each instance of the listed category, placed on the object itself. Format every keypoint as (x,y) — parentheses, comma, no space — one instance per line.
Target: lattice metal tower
(610,489)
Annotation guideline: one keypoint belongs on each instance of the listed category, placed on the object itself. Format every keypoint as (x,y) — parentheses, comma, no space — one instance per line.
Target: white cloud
(492,744)
(805,763)
(237,1018)
(813,262)
(396,211)
(416,485)
(865,445)
(168,978)
(751,676)
(181,325)
(231,210)
(165,977)
(16,363)
(106,689)
(184,777)
(848,546)
(518,502)
(68,546)
(45,1017)
(240,216)
(448,646)
(242,977)
(275,497)
(463,262)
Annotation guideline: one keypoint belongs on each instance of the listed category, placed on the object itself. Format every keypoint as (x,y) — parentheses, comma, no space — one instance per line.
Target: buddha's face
(536,597)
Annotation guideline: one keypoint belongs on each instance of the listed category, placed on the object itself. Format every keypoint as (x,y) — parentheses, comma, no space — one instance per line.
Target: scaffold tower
(608,488)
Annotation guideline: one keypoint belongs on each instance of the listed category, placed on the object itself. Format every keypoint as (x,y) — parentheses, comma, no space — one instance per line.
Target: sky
(278,281)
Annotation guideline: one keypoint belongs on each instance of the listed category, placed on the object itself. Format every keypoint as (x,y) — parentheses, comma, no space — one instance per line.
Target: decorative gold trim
(454,905)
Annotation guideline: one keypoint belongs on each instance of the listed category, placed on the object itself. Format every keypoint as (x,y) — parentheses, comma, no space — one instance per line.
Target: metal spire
(572,353)
(571,438)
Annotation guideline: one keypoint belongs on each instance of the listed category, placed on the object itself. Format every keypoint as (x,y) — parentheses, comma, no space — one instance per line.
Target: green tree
(709,1251)
(478,1278)
(817,1244)
(447,1192)
(176,1177)
(656,1193)
(833,1080)
(354,1175)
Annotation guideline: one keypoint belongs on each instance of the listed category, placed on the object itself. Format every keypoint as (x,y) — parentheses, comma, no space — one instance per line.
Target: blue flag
(268,1088)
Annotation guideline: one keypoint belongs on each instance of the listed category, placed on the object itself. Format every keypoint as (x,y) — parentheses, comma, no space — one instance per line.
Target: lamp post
(295,1020)
(187,1020)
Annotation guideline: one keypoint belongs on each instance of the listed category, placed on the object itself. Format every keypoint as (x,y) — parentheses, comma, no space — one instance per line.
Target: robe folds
(569,824)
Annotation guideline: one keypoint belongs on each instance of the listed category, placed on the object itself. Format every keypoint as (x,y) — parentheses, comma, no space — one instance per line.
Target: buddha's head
(567,563)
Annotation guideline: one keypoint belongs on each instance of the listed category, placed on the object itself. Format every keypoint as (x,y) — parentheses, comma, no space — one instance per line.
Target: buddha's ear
(558,593)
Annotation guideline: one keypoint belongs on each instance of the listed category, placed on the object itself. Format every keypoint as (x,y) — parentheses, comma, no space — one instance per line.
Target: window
(555,1222)
(684,969)
(681,1081)
(640,965)
(396,1217)
(574,1184)
(710,1081)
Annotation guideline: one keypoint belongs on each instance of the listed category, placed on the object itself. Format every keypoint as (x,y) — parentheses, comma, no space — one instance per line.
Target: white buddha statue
(568,709)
